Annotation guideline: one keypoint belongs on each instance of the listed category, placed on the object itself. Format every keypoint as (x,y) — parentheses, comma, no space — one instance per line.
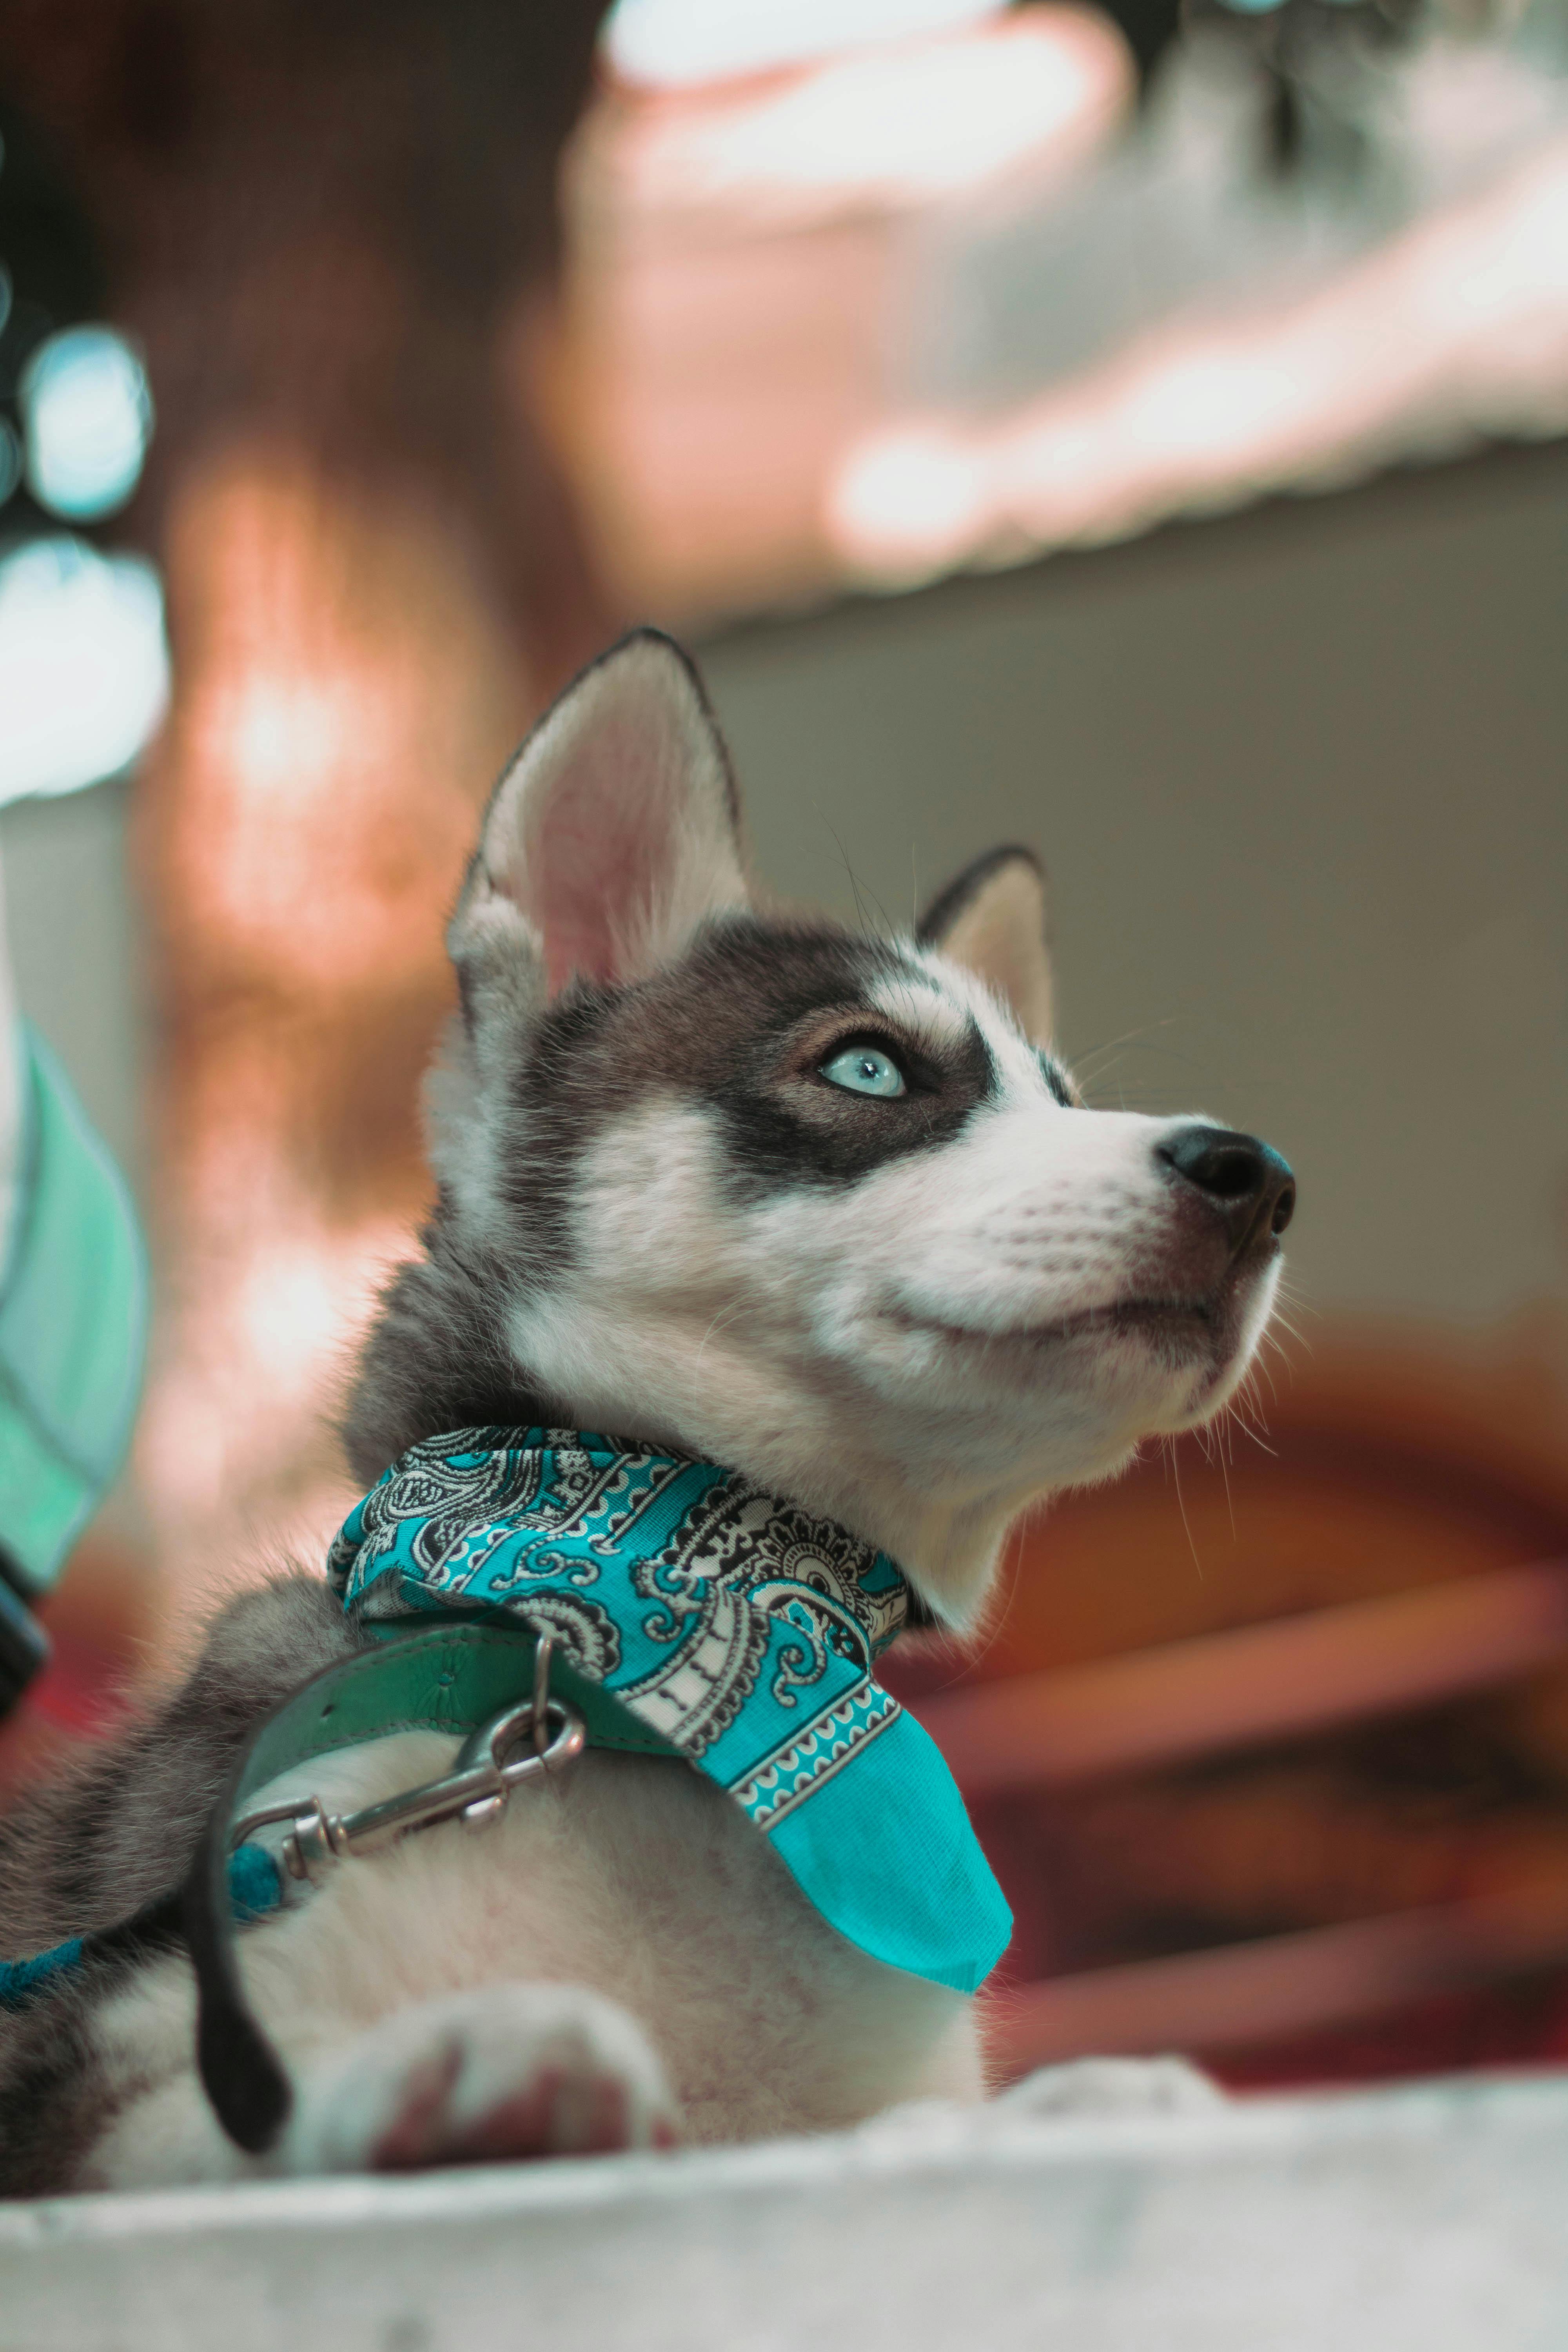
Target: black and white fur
(916,1314)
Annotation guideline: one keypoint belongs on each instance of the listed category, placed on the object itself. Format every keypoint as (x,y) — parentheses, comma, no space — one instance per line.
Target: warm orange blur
(1268,1740)
(346,698)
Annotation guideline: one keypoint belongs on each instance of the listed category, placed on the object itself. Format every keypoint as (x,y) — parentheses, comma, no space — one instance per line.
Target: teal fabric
(255,1887)
(254,1883)
(20,1980)
(732,1625)
(73,1321)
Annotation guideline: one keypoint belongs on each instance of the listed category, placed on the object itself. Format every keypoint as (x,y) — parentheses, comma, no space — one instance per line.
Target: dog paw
(1110,2087)
(486,2077)
(1087,2087)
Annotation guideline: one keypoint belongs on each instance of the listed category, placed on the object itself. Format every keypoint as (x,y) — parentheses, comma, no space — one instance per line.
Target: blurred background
(1139,434)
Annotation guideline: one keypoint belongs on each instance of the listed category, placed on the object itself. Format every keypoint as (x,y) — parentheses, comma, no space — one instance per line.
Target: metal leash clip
(477,1789)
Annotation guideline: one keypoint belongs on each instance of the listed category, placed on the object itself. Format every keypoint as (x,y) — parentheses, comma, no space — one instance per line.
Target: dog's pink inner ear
(993,920)
(613,834)
(604,844)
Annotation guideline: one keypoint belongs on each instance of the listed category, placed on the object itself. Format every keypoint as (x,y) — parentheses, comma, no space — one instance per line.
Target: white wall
(1301,780)
(75,945)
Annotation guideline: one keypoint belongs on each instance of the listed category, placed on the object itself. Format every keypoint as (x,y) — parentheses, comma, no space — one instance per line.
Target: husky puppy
(823,1208)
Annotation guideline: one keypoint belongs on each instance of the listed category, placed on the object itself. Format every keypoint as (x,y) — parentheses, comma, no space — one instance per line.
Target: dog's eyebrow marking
(924,1006)
(1018,1067)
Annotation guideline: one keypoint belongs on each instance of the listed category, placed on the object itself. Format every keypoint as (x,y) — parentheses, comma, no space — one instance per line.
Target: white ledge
(1430,2219)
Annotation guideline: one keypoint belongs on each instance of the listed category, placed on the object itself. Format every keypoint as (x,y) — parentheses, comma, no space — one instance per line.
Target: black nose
(1250,1185)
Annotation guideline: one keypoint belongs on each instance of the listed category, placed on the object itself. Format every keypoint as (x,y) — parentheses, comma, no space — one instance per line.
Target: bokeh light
(670,43)
(89,417)
(84,667)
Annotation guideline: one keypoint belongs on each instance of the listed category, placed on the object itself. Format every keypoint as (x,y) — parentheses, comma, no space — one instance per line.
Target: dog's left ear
(993,920)
(610,839)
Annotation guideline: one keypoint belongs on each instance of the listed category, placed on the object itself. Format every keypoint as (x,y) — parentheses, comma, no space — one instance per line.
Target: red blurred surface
(99,1627)
(1380,1886)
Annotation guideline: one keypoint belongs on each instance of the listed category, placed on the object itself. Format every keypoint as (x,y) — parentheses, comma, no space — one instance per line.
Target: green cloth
(73,1325)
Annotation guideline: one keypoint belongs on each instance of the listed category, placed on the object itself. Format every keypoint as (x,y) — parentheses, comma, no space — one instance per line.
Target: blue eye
(863,1070)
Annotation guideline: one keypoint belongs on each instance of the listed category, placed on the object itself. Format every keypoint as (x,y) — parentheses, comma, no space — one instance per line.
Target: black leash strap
(24,1644)
(241,2073)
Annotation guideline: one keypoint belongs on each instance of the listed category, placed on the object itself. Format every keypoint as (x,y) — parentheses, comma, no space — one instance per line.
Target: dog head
(824,1208)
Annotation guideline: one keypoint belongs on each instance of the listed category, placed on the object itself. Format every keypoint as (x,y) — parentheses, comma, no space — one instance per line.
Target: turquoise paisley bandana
(735,1627)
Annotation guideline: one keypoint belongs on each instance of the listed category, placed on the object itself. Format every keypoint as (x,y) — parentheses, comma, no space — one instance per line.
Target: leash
(520,1712)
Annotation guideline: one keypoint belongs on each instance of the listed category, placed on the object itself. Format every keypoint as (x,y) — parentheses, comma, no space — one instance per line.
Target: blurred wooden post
(334,231)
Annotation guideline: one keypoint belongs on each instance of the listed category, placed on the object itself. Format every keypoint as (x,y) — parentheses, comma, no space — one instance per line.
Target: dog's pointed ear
(994,919)
(611,837)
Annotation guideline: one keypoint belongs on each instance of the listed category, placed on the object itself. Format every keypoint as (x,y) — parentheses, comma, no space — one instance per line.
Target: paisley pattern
(734,1624)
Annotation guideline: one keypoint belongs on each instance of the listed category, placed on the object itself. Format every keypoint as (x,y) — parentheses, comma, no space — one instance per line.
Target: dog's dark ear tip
(647,637)
(993,920)
(648,632)
(612,833)
(949,905)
